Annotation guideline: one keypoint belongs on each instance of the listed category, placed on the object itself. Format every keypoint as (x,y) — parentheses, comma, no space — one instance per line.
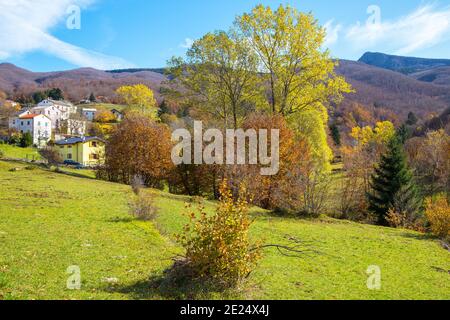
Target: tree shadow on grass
(121,220)
(164,287)
(419,236)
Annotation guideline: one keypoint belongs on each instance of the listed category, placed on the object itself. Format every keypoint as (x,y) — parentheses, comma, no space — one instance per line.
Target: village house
(57,111)
(38,125)
(89,113)
(88,151)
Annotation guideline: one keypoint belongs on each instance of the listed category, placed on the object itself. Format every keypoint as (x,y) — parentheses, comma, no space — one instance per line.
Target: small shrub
(2,154)
(143,206)
(51,155)
(403,220)
(217,246)
(197,200)
(438,214)
(26,140)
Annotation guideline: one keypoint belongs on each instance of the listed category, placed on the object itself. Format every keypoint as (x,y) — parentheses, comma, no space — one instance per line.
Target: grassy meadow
(13,152)
(50,221)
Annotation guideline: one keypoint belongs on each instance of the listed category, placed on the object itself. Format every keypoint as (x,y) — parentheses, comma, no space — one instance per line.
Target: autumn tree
(359,161)
(288,43)
(138,97)
(220,75)
(430,157)
(105,116)
(283,191)
(139,147)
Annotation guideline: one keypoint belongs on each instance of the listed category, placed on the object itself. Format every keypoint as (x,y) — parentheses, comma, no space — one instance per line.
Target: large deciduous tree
(138,97)
(220,75)
(289,46)
(139,147)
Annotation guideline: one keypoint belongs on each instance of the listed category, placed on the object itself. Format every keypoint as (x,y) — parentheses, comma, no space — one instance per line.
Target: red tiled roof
(29,116)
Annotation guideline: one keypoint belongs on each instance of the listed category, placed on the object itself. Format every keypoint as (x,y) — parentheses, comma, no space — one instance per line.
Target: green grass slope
(14,152)
(50,221)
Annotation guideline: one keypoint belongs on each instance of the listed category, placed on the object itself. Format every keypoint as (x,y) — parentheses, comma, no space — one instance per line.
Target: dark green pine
(392,185)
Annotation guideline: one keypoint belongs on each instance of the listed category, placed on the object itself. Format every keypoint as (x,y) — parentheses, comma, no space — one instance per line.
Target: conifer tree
(392,185)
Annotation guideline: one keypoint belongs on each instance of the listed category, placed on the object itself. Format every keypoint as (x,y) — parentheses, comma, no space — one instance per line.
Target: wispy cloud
(423,28)
(188,42)
(332,31)
(25,27)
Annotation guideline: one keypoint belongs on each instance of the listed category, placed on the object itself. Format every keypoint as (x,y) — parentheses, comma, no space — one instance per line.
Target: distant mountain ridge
(406,65)
(376,78)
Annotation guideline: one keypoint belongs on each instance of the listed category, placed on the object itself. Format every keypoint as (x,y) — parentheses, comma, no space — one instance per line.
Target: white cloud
(187,44)
(426,27)
(332,33)
(25,27)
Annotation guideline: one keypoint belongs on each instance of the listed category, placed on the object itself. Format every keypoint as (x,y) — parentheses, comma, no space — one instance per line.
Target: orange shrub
(218,246)
(438,214)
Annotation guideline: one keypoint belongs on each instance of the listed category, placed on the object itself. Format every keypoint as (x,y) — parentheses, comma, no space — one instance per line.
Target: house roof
(76,140)
(29,116)
(59,102)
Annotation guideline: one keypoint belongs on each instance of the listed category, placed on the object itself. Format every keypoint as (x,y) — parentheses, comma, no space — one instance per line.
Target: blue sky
(142,33)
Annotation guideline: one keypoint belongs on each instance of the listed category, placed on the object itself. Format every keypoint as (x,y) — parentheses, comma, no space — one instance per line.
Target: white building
(89,113)
(62,105)
(57,111)
(38,125)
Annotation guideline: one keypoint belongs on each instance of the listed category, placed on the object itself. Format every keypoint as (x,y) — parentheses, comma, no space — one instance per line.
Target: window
(28,123)
(61,147)
(94,144)
(93,156)
(14,121)
(21,123)
(69,147)
(39,123)
(69,156)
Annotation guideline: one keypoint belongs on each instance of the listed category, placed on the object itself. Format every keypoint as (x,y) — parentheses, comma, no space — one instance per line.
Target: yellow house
(88,151)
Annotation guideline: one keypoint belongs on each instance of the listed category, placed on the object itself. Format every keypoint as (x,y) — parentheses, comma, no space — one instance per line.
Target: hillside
(423,92)
(76,84)
(63,221)
(406,65)
(439,76)
(392,90)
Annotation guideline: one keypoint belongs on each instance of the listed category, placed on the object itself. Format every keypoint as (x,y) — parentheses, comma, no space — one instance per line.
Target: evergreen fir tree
(392,185)
(92,98)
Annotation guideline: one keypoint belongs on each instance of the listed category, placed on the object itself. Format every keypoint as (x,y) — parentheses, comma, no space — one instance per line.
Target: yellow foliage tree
(139,97)
(289,46)
(380,135)
(438,214)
